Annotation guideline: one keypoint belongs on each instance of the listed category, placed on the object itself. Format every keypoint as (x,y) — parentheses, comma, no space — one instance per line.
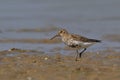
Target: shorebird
(75,41)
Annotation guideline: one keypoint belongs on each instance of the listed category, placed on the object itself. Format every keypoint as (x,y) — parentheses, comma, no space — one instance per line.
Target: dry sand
(16,64)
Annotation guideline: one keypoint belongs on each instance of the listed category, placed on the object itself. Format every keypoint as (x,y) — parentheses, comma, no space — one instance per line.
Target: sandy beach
(33,65)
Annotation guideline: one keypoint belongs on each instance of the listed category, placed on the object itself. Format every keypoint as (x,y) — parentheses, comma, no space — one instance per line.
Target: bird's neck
(65,37)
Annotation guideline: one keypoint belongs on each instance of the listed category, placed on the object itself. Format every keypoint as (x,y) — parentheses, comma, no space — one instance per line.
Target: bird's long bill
(54,37)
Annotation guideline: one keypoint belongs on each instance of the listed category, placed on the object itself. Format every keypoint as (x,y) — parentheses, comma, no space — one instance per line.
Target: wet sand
(18,64)
(36,65)
(27,25)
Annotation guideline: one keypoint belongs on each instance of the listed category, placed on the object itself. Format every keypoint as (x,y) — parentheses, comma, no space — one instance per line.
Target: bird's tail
(94,40)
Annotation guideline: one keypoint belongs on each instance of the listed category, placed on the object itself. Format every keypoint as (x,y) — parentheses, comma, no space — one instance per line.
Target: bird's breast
(76,44)
(71,43)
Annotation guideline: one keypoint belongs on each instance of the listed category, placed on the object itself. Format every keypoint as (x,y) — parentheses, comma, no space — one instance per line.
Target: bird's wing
(79,37)
(83,39)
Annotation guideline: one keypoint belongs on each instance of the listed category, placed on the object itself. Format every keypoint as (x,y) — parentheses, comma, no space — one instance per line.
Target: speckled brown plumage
(75,41)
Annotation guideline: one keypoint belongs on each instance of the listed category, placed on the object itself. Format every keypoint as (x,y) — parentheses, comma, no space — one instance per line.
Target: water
(91,18)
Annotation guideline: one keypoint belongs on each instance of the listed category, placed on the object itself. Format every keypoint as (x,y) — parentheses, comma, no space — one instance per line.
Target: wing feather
(83,39)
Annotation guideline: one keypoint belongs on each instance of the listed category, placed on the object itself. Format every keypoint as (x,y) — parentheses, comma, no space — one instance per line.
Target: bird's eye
(61,31)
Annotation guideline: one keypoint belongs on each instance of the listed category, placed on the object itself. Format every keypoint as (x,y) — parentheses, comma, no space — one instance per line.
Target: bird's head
(60,33)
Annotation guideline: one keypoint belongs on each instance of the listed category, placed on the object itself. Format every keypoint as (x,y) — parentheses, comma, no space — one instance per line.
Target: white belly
(78,43)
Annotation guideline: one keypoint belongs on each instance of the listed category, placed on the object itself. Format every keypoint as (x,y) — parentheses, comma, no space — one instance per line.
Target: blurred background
(41,19)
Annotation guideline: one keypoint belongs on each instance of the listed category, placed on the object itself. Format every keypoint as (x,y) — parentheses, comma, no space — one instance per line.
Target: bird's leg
(77,53)
(82,52)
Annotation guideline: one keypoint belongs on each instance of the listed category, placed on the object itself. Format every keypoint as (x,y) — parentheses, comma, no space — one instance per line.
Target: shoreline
(40,66)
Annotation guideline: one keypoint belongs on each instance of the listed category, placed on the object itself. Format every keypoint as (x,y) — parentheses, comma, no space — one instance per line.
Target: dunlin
(75,41)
